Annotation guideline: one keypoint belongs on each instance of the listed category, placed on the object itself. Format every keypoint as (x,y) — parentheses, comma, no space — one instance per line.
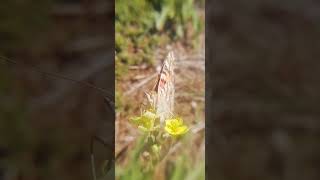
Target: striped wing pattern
(162,97)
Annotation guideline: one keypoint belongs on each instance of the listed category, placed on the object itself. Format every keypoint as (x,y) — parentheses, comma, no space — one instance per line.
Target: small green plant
(141,26)
(136,168)
(178,168)
(177,14)
(157,138)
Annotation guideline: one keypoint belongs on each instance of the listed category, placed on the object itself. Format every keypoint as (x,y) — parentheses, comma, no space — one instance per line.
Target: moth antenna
(107,96)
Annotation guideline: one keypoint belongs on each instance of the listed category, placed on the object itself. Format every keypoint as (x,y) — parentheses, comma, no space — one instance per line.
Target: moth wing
(165,89)
(151,97)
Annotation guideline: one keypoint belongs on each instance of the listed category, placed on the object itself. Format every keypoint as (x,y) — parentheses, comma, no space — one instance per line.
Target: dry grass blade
(140,84)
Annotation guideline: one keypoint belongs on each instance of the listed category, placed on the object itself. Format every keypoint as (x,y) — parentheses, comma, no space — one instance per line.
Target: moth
(161,98)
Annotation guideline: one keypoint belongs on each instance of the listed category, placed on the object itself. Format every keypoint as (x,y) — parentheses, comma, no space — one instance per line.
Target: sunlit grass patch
(142,26)
(177,166)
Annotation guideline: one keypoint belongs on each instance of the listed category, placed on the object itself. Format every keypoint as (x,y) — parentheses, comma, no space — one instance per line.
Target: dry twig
(140,84)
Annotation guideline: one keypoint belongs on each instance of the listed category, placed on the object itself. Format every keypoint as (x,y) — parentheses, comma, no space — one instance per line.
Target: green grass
(135,167)
(177,168)
(144,25)
(184,169)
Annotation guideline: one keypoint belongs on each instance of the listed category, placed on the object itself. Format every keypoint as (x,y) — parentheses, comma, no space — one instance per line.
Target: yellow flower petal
(145,122)
(175,127)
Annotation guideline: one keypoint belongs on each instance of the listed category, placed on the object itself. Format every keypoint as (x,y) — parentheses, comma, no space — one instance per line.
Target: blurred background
(145,32)
(46,123)
(262,71)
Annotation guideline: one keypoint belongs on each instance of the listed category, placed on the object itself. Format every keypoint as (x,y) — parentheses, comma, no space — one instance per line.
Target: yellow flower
(145,122)
(175,127)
